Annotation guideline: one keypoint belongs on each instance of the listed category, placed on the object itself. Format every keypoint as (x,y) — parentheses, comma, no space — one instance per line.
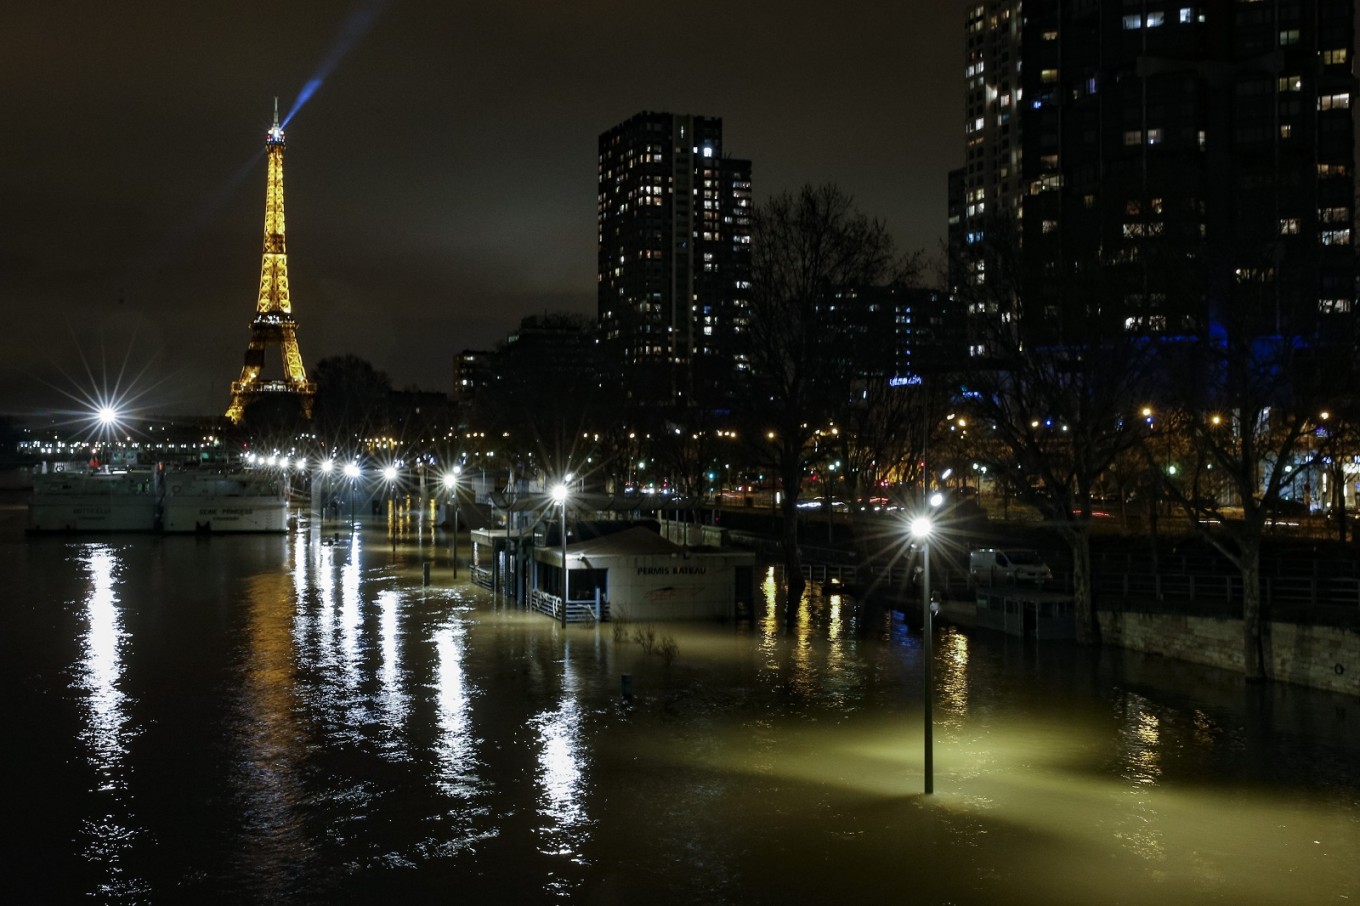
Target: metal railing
(480,575)
(551,605)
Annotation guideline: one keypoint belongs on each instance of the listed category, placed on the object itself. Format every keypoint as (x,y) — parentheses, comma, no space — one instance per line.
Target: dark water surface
(278,720)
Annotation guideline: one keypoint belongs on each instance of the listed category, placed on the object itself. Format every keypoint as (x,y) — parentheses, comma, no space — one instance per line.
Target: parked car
(993,566)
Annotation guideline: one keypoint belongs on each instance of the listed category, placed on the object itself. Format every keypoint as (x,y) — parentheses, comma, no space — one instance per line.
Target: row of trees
(1055,416)
(1215,419)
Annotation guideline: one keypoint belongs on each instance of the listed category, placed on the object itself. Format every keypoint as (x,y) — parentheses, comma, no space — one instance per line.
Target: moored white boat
(78,501)
(217,503)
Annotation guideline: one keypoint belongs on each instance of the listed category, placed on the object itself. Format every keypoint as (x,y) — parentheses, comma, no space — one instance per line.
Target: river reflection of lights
(350,617)
(108,837)
(560,769)
(102,667)
(267,772)
(951,681)
(393,700)
(456,749)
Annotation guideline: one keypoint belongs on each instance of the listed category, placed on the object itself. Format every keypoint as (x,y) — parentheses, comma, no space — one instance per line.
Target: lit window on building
(1289,226)
(1341,101)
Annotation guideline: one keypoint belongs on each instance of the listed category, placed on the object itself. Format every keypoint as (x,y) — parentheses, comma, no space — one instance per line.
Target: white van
(992,566)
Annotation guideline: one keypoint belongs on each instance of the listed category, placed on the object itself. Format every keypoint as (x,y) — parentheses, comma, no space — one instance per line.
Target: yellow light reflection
(268,770)
(951,672)
(769,620)
(1142,738)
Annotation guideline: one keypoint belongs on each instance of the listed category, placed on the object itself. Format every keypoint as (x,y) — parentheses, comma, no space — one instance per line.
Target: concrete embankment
(1323,657)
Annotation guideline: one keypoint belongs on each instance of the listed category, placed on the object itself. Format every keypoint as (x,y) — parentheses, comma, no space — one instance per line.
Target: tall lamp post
(559,495)
(921,528)
(327,465)
(352,471)
(451,484)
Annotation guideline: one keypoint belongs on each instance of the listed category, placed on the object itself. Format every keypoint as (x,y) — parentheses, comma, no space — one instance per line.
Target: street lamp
(559,495)
(921,527)
(451,484)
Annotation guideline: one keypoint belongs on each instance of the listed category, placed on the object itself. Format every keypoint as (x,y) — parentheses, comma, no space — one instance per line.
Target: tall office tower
(985,194)
(1190,163)
(674,257)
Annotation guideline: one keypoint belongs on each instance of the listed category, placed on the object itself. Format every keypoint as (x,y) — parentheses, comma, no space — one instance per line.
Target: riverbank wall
(1323,657)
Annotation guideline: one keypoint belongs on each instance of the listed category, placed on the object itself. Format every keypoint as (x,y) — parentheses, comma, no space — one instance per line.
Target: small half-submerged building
(619,570)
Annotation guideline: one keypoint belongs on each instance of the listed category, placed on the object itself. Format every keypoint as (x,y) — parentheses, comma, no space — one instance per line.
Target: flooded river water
(281,720)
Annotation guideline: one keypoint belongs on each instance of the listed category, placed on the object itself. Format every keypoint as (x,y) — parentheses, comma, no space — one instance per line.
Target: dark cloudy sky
(440,184)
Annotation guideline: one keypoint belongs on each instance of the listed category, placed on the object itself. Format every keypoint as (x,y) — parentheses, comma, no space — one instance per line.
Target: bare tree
(1056,395)
(806,248)
(1247,407)
(884,434)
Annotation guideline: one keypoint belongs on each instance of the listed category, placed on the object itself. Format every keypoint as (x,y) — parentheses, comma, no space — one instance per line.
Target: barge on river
(157,501)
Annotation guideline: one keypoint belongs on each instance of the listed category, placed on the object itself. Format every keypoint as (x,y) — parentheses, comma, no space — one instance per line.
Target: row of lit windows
(1134,207)
(1141,230)
(1155,19)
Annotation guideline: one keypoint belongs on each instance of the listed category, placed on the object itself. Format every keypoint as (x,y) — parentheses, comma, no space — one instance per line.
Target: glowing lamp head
(559,493)
(921,527)
(107,415)
(352,469)
(451,479)
(390,473)
(937,499)
(327,465)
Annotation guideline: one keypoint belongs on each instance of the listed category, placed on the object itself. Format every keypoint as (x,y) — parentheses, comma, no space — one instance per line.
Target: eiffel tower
(273,324)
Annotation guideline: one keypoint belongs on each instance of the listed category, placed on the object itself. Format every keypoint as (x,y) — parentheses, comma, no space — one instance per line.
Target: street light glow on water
(276,718)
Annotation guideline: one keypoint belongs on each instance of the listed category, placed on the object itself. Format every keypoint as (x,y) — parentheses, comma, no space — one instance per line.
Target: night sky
(440,183)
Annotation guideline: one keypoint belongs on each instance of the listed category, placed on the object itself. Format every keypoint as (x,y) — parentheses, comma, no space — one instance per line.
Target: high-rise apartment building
(674,257)
(1189,162)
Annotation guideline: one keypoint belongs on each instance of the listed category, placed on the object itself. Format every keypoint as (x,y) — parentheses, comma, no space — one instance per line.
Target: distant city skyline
(441,178)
